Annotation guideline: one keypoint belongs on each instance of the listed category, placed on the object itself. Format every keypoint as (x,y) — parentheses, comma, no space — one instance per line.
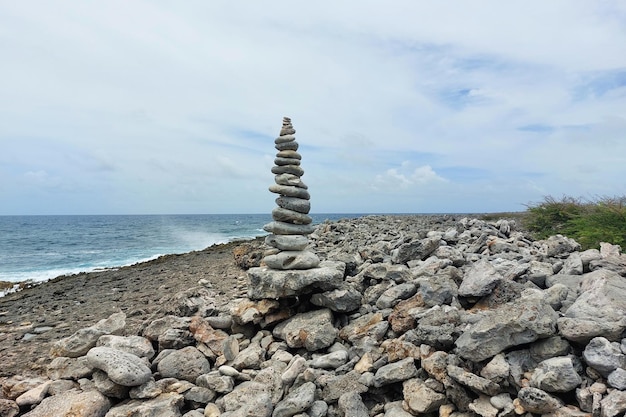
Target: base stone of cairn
(290,269)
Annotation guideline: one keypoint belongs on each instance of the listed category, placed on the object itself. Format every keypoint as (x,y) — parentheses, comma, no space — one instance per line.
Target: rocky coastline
(433,315)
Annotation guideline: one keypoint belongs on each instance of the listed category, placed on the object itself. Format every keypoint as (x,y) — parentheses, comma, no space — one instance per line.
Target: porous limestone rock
(121,367)
(73,403)
(521,321)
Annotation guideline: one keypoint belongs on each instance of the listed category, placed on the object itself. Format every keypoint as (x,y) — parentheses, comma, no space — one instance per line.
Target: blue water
(42,247)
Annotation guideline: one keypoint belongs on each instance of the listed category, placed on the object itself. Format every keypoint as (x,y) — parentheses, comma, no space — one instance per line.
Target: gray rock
(417,249)
(538,401)
(604,356)
(194,413)
(479,280)
(158,327)
(286,161)
(33,396)
(248,399)
(230,348)
(268,283)
(617,379)
(8,408)
(137,345)
(289,260)
(300,205)
(175,339)
(473,381)
(165,405)
(331,360)
(212,410)
(287,169)
(199,395)
(271,378)
(187,364)
(282,228)
(556,375)
(319,408)
(589,255)
(339,384)
(538,272)
(69,368)
(109,388)
(497,369)
(343,300)
(483,407)
(395,372)
(394,409)
(296,401)
(121,367)
(573,265)
(286,135)
(502,402)
(312,330)
(289,179)
(570,281)
(453,254)
(365,330)
(198,300)
(351,405)
(559,245)
(600,310)
(290,216)
(292,146)
(295,367)
(220,322)
(250,358)
(287,242)
(146,390)
(519,322)
(75,403)
(437,290)
(549,348)
(59,386)
(216,381)
(613,404)
(80,342)
(395,294)
(419,398)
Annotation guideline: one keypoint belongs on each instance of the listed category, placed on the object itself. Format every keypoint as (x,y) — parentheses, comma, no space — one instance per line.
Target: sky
(160,107)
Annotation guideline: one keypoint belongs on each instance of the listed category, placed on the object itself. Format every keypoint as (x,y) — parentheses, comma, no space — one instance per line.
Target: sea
(38,248)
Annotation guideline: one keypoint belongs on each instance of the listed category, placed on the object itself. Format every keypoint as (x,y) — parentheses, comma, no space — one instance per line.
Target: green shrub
(587,222)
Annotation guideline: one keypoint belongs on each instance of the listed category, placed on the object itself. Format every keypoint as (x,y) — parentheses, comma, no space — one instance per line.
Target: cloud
(405,177)
(163,106)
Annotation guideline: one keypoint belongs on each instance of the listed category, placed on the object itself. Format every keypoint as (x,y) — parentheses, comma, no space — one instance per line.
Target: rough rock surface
(394,339)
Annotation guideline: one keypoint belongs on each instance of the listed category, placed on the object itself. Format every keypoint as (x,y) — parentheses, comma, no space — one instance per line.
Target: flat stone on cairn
(290,269)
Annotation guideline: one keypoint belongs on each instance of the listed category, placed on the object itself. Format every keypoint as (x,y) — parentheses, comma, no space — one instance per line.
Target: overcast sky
(146,107)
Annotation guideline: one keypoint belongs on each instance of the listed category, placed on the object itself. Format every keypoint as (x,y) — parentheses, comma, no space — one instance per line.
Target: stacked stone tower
(290,269)
(291,222)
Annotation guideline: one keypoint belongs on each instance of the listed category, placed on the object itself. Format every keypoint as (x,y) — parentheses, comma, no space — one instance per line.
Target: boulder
(187,363)
(121,367)
(515,323)
(73,403)
(165,405)
(269,283)
(600,310)
(312,330)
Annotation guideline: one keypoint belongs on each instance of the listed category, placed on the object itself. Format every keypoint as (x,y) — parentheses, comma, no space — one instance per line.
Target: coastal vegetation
(589,222)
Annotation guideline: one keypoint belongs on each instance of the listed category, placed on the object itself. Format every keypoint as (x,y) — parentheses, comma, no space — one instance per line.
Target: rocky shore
(437,315)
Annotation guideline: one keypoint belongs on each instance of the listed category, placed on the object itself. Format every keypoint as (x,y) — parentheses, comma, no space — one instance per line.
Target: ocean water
(38,248)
